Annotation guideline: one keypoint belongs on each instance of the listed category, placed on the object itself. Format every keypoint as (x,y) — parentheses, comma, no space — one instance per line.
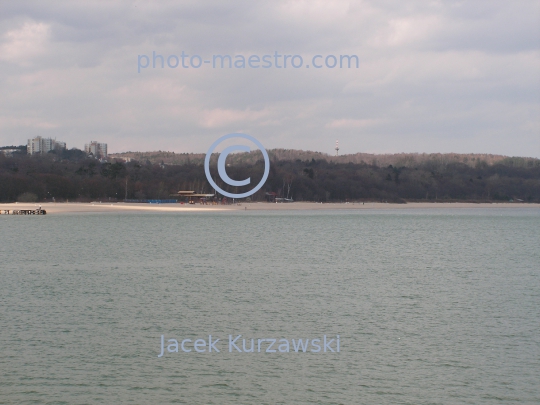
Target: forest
(71,175)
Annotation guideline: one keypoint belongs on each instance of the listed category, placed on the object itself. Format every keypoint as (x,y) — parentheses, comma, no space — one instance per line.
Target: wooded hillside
(71,175)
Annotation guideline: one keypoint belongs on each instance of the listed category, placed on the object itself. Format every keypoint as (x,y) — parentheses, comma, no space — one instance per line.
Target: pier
(23,212)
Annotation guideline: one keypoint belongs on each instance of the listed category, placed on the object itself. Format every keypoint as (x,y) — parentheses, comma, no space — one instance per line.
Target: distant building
(99,150)
(9,152)
(43,145)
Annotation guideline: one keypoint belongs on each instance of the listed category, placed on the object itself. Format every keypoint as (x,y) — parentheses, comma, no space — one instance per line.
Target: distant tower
(337,148)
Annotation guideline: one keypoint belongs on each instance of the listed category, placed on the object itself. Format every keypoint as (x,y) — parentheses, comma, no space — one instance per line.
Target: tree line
(71,175)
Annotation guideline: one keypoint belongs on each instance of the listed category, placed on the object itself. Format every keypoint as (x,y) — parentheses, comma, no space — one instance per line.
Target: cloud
(407,31)
(220,117)
(352,123)
(25,43)
(433,76)
(7,122)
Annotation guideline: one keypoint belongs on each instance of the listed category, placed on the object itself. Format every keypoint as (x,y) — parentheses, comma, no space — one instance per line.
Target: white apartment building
(43,145)
(97,149)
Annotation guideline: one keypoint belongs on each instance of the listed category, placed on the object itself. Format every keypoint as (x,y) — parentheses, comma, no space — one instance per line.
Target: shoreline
(61,208)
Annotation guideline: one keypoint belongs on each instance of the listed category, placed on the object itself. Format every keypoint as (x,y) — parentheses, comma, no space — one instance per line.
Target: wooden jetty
(23,212)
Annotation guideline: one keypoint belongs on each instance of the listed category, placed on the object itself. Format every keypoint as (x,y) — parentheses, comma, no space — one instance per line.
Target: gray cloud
(434,76)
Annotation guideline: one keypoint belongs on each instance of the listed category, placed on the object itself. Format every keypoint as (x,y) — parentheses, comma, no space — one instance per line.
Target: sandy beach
(62,208)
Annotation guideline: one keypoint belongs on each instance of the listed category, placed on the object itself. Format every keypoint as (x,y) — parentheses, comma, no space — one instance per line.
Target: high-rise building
(97,149)
(43,145)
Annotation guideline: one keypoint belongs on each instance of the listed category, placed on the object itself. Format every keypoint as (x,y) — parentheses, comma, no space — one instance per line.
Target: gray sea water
(435,306)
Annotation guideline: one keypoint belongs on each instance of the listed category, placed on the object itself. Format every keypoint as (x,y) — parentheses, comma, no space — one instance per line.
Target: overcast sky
(433,76)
